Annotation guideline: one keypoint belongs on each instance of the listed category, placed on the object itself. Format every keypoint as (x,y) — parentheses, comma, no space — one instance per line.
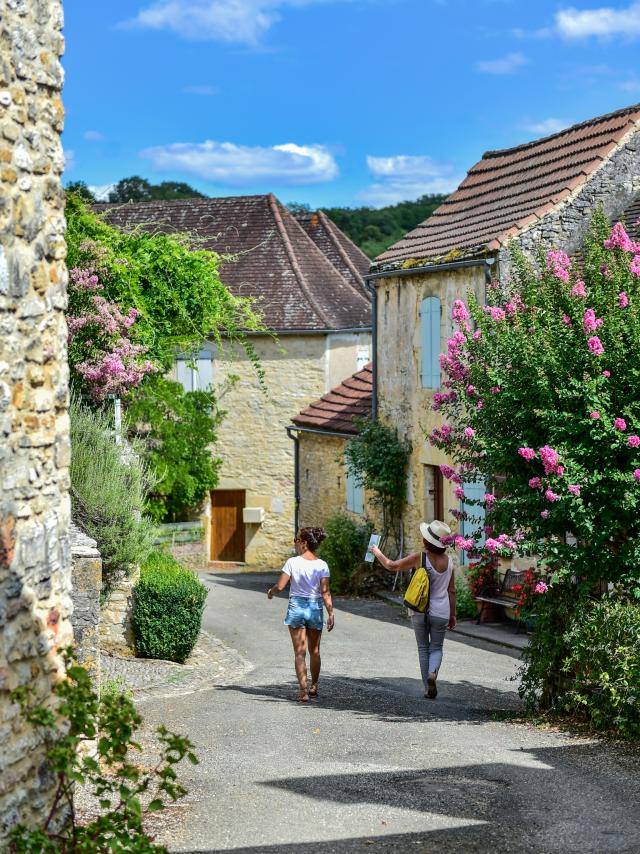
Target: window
(355,495)
(195,374)
(433,494)
(473,492)
(430,342)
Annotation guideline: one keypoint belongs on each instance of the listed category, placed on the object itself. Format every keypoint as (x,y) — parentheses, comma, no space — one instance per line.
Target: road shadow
(395,700)
(536,800)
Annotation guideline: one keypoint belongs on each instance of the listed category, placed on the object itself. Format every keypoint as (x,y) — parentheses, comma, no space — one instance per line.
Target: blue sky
(332,102)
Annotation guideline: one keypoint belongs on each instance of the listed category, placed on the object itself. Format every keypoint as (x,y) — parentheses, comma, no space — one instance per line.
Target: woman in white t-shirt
(309,578)
(430,628)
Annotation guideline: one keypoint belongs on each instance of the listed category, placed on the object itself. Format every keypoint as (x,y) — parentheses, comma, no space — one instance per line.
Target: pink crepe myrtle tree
(552,360)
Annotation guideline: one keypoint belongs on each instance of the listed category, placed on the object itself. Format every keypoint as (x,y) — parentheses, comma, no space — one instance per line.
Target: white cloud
(404,177)
(206,91)
(572,23)
(241,165)
(233,21)
(505,65)
(101,191)
(546,126)
(93,135)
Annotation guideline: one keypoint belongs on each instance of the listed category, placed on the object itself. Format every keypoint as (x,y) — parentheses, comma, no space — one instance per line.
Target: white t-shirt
(439,590)
(305,576)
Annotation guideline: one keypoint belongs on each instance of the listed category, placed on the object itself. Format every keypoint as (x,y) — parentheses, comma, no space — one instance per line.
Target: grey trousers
(430,633)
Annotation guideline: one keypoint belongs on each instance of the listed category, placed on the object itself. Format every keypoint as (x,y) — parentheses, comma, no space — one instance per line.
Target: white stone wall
(34,431)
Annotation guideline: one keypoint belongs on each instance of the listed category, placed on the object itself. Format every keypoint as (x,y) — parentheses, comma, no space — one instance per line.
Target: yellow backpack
(416,596)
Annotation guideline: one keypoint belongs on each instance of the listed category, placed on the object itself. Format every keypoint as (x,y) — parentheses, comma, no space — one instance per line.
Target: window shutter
(430,342)
(474,492)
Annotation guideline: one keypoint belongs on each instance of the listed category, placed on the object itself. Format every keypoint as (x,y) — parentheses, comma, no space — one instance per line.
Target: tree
(80,189)
(541,404)
(137,189)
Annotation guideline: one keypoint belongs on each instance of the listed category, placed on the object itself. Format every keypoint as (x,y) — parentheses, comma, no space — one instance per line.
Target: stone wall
(323,491)
(116,632)
(86,584)
(34,431)
(402,400)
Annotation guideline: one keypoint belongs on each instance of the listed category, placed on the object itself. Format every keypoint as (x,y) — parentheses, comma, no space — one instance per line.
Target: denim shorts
(304,613)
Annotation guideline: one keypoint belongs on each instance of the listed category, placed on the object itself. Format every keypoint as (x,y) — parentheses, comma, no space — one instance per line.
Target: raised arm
(280,584)
(451,590)
(408,562)
(328,603)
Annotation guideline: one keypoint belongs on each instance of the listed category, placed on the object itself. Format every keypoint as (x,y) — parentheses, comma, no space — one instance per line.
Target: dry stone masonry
(34,433)
(86,577)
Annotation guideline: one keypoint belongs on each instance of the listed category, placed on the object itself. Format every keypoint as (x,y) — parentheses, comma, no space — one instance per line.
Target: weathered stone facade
(116,631)
(34,445)
(401,399)
(323,480)
(86,584)
(257,454)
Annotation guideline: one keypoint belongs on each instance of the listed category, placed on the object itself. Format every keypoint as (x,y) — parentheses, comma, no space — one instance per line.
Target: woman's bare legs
(299,640)
(314,636)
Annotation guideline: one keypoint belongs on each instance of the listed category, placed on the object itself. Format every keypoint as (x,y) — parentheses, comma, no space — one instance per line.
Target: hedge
(167,609)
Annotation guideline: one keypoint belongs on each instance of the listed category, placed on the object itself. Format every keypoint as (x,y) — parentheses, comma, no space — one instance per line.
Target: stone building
(34,444)
(323,486)
(308,280)
(541,192)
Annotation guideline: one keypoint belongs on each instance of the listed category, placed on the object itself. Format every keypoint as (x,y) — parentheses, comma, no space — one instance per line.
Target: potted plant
(527,593)
(482,576)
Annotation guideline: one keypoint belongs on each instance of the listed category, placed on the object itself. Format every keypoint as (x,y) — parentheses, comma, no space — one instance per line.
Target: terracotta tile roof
(297,286)
(507,190)
(337,410)
(345,256)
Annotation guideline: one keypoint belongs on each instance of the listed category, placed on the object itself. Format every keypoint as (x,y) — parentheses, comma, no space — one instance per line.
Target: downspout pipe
(374,345)
(296,477)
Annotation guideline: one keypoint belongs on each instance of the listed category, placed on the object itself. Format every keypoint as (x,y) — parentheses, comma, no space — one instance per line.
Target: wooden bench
(502,599)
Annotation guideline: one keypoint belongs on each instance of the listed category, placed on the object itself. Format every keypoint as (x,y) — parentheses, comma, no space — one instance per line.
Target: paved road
(372,766)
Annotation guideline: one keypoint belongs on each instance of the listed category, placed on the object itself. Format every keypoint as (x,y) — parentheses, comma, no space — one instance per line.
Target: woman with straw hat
(431,626)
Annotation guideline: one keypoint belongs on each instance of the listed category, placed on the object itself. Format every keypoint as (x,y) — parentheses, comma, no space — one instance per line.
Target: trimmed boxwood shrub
(167,609)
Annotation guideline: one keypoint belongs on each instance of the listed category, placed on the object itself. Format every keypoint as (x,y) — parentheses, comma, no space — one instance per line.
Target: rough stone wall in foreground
(86,577)
(34,432)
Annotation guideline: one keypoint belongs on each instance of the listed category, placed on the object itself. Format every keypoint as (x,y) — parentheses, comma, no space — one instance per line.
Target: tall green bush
(109,484)
(167,609)
(344,551)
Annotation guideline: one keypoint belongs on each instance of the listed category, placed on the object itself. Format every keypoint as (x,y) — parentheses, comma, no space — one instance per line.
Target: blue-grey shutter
(358,499)
(430,342)
(474,492)
(349,491)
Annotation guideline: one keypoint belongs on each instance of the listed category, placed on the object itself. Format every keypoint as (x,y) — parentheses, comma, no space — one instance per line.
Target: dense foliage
(344,550)
(167,609)
(378,459)
(465,603)
(137,189)
(171,288)
(375,229)
(541,405)
(125,790)
(109,484)
(176,430)
(541,391)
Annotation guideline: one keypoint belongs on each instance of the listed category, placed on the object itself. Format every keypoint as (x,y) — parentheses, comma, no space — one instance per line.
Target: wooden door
(227,527)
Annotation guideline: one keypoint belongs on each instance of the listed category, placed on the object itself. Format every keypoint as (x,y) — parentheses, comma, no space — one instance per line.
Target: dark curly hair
(312,537)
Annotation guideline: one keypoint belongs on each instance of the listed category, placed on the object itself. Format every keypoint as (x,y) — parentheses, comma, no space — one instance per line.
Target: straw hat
(434,532)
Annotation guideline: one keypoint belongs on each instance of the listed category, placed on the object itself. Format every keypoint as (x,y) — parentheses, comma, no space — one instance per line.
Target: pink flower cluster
(550,495)
(619,239)
(502,542)
(558,262)
(636,474)
(495,312)
(567,320)
(623,299)
(460,313)
(590,322)
(464,545)
(469,432)
(595,345)
(441,397)
(578,290)
(84,279)
(527,453)
(620,424)
(441,434)
(574,488)
(117,371)
(634,267)
(489,499)
(535,483)
(450,362)
(540,587)
(450,474)
(633,441)
(550,460)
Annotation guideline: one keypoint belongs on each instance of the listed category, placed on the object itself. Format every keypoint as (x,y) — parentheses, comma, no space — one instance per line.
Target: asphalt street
(372,765)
